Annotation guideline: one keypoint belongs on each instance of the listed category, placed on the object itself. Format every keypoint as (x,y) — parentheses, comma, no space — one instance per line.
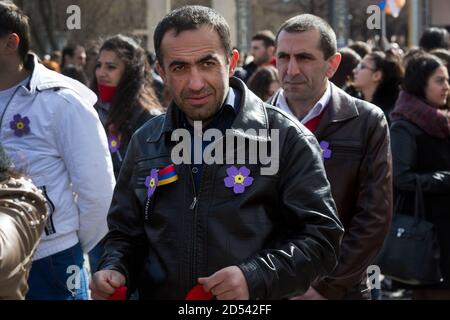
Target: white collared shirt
(314,112)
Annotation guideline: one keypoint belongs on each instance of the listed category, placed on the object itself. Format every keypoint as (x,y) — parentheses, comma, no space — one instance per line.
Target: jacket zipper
(193,207)
(195,200)
(119,156)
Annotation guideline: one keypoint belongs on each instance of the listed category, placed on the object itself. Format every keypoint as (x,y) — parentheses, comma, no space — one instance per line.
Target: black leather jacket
(282,232)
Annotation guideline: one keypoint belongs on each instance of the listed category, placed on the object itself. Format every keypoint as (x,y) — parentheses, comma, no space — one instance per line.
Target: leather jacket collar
(341,108)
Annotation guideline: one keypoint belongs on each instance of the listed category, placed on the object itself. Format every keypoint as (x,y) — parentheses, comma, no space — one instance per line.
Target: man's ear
(160,70)
(12,43)
(233,62)
(333,64)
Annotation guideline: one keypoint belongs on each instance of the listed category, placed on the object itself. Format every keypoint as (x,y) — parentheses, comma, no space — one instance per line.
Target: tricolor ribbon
(167,175)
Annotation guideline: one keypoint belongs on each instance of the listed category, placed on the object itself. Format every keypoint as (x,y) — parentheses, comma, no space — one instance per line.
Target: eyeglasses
(362,66)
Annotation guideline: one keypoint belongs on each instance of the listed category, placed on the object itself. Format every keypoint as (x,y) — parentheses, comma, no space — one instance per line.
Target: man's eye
(208,63)
(178,68)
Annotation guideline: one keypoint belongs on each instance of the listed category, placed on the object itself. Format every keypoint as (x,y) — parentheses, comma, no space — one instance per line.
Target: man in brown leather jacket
(354,138)
(231,228)
(22,219)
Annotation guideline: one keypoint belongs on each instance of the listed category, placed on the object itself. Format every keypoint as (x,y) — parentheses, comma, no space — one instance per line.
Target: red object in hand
(119,294)
(197,293)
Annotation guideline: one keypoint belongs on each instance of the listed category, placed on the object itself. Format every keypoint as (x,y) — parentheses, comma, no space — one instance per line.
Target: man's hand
(104,283)
(226,284)
(311,294)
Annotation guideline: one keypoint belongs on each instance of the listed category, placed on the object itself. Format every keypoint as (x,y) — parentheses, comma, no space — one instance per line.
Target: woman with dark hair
(361,48)
(410,54)
(264,82)
(444,55)
(378,77)
(420,139)
(126,100)
(22,219)
(126,97)
(343,76)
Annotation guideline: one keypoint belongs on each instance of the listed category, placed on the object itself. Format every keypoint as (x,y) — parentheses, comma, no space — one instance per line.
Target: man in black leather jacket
(231,228)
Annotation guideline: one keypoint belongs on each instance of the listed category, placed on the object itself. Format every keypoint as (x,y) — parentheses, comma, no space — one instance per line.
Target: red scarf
(435,122)
(313,123)
(106,93)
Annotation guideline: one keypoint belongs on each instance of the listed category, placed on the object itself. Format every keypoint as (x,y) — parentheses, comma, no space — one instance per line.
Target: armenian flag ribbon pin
(167,175)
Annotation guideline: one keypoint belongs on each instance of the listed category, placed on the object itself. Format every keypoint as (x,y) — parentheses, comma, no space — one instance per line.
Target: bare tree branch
(44,7)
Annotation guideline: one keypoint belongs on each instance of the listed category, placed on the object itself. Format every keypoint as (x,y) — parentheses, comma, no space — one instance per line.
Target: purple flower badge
(21,126)
(114,142)
(326,151)
(151,182)
(238,179)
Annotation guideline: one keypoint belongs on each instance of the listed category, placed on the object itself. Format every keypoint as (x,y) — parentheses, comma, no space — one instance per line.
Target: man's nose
(293,67)
(196,81)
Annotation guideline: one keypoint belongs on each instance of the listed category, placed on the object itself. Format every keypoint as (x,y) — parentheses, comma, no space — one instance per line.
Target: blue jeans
(60,276)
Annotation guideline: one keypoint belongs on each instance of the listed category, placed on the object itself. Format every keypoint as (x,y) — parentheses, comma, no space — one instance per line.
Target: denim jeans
(60,276)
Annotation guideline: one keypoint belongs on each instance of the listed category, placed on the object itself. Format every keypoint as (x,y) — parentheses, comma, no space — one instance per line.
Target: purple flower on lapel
(114,142)
(21,126)
(151,182)
(238,179)
(326,152)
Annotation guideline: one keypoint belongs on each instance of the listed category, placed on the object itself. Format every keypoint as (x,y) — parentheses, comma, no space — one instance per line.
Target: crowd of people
(87,144)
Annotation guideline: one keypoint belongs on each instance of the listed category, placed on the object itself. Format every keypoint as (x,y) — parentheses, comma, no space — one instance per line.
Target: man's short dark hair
(307,22)
(13,20)
(68,50)
(265,36)
(418,71)
(434,38)
(192,18)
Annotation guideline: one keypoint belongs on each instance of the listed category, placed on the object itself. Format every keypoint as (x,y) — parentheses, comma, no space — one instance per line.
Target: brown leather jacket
(360,174)
(22,218)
